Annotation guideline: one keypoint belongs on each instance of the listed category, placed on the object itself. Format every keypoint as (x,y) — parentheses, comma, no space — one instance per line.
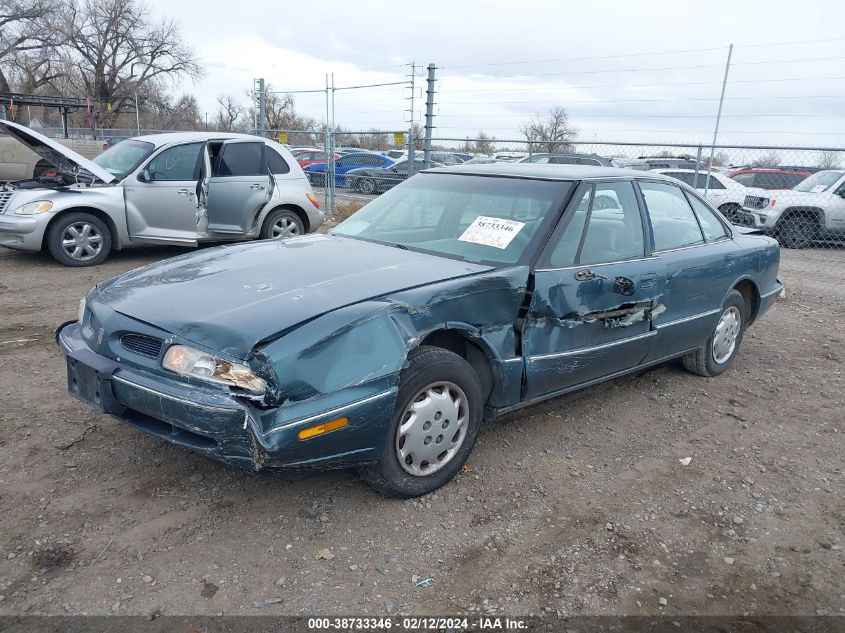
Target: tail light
(313,199)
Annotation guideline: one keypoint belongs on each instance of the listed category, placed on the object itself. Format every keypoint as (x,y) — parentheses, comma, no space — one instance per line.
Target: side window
(606,227)
(711,225)
(240,159)
(540,160)
(714,182)
(176,163)
(672,220)
(683,176)
(275,163)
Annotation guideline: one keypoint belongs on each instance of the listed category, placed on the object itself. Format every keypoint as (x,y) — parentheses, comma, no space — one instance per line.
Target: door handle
(184,192)
(256,186)
(587,275)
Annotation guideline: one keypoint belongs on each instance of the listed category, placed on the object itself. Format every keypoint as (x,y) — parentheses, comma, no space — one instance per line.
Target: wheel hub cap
(432,428)
(727,332)
(81,241)
(285,227)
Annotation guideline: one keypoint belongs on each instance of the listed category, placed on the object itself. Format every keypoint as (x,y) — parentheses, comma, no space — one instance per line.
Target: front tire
(798,231)
(721,348)
(436,420)
(79,239)
(282,223)
(730,211)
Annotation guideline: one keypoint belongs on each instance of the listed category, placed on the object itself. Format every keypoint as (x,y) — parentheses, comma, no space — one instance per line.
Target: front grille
(5,196)
(142,344)
(756,202)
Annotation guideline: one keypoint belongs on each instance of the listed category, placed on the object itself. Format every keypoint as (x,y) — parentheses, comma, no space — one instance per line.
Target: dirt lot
(577,506)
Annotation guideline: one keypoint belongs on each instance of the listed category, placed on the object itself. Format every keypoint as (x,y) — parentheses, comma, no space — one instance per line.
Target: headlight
(32,208)
(192,362)
(80,313)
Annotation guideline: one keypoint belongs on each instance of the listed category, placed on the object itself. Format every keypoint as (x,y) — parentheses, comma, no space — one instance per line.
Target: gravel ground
(660,492)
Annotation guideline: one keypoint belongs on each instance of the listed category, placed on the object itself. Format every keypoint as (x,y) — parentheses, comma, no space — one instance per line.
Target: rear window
(275,163)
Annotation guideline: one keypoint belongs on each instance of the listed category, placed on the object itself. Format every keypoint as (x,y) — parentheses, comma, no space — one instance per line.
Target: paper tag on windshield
(494,232)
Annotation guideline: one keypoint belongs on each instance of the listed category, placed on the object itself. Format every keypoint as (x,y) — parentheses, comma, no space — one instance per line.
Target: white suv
(724,193)
(814,210)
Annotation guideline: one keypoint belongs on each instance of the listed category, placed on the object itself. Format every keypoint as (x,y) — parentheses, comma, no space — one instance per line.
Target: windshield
(473,218)
(819,181)
(119,160)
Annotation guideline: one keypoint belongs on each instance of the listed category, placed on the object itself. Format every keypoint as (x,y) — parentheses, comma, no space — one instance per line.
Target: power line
(654,116)
(625,56)
(667,99)
(651,85)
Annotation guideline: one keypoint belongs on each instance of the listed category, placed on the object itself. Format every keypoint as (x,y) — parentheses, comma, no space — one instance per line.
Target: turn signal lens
(320,429)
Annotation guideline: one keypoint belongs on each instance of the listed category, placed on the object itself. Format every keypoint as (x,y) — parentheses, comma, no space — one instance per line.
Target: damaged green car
(459,295)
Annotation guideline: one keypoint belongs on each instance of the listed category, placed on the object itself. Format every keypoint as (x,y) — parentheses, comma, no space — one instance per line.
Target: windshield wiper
(397,245)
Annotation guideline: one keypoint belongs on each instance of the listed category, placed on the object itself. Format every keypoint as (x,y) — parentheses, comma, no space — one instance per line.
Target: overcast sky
(624,70)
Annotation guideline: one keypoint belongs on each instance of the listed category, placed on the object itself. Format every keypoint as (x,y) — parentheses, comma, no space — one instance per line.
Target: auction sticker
(495,232)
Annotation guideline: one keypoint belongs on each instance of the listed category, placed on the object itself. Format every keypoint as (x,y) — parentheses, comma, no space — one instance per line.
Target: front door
(596,290)
(161,202)
(239,187)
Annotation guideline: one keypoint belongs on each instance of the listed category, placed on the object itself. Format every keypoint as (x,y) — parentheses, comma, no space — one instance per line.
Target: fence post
(697,167)
(429,115)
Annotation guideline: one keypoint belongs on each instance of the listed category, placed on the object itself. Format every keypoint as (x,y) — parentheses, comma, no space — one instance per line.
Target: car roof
(166,138)
(768,170)
(548,172)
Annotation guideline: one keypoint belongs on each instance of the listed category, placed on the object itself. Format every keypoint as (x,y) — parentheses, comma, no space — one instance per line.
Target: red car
(307,156)
(769,177)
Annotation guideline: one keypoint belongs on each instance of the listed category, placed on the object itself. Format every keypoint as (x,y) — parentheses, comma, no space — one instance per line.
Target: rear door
(700,261)
(239,187)
(595,290)
(161,202)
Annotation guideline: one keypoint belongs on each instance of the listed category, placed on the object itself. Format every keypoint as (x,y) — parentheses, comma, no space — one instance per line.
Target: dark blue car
(461,294)
(316,172)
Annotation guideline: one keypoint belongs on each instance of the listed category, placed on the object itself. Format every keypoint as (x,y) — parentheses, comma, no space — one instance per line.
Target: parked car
(180,188)
(647,163)
(111,141)
(509,157)
(768,177)
(724,193)
(371,180)
(814,210)
(567,159)
(463,293)
(316,172)
(443,158)
(307,157)
(18,162)
(396,154)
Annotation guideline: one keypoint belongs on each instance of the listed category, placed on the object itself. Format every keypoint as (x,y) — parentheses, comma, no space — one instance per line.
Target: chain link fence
(794,194)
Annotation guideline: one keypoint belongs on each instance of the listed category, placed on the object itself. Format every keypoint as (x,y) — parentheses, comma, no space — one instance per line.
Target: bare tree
(115,50)
(27,44)
(770,159)
(481,144)
(280,113)
(720,159)
(830,160)
(374,140)
(552,134)
(230,115)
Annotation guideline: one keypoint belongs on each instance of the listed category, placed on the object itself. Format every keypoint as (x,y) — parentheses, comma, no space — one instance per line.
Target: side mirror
(145,176)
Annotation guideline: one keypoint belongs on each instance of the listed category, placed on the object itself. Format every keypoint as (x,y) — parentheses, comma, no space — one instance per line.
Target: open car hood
(61,157)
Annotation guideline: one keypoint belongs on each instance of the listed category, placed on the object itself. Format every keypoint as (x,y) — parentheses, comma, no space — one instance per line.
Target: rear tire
(366,186)
(721,348)
(79,239)
(434,379)
(282,223)
(317,179)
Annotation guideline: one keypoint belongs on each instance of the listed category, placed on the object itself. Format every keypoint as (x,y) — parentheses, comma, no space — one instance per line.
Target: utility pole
(429,114)
(262,103)
(718,118)
(411,139)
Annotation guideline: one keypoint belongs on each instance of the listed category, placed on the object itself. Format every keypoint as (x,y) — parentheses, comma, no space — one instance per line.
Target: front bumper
(23,232)
(216,423)
(752,218)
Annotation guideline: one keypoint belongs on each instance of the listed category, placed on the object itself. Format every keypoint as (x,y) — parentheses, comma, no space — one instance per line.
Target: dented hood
(53,152)
(233,297)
